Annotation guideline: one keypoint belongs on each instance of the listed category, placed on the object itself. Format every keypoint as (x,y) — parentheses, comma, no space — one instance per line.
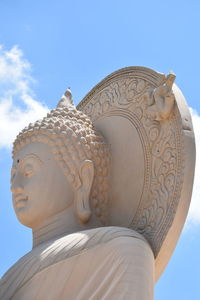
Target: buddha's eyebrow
(26,158)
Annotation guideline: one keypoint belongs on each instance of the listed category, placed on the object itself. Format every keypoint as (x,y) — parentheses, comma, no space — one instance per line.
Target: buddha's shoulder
(53,251)
(99,241)
(99,236)
(118,239)
(72,244)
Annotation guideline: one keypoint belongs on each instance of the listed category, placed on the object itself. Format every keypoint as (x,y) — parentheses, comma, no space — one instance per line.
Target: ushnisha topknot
(72,139)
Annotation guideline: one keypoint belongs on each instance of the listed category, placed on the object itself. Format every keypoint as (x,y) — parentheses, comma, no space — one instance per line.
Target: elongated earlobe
(82,208)
(82,198)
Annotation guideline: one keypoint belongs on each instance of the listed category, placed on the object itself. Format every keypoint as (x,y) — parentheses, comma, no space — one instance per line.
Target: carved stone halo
(145,119)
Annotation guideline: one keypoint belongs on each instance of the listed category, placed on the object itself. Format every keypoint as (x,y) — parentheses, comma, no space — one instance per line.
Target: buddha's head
(60,162)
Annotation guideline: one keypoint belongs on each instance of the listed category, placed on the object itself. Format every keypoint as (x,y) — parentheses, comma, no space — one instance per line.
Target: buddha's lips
(20,199)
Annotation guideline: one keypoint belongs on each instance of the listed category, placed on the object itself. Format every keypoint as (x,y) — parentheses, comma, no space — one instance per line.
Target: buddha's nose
(16,185)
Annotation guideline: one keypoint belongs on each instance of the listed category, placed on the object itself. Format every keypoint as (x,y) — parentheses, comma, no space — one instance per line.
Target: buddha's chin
(24,215)
(29,216)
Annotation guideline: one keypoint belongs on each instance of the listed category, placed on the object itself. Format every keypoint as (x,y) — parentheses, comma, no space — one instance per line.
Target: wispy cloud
(17,104)
(194,211)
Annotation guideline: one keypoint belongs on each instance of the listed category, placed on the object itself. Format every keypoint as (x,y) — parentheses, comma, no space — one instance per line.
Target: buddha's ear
(82,197)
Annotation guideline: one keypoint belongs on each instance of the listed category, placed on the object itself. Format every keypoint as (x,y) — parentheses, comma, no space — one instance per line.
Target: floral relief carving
(153,105)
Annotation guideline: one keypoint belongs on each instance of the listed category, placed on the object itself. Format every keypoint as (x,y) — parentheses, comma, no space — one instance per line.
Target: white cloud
(17,104)
(194,211)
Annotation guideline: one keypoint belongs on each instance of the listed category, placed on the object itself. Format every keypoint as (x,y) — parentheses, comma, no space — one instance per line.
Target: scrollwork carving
(152,106)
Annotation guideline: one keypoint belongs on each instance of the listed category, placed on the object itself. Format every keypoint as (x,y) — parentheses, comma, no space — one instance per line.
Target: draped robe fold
(102,263)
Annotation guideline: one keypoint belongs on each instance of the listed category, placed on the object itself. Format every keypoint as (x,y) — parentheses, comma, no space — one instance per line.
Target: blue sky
(47,46)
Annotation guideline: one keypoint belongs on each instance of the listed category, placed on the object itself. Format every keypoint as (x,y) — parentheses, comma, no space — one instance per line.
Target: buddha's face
(39,186)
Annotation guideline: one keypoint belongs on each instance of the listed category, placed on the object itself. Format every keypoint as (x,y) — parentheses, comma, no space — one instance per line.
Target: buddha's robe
(104,263)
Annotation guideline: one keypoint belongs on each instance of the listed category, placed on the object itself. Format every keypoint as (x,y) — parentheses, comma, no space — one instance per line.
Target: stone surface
(93,264)
(144,117)
(105,189)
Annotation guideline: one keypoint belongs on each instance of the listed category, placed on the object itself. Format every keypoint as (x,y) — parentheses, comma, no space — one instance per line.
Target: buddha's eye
(28,170)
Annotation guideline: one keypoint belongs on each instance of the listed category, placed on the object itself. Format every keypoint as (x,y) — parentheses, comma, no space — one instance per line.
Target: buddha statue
(60,181)
(105,188)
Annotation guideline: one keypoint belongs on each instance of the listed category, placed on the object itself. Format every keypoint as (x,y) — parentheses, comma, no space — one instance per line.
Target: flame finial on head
(66,99)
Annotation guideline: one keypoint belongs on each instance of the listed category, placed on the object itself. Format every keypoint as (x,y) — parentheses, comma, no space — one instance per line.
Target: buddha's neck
(56,226)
